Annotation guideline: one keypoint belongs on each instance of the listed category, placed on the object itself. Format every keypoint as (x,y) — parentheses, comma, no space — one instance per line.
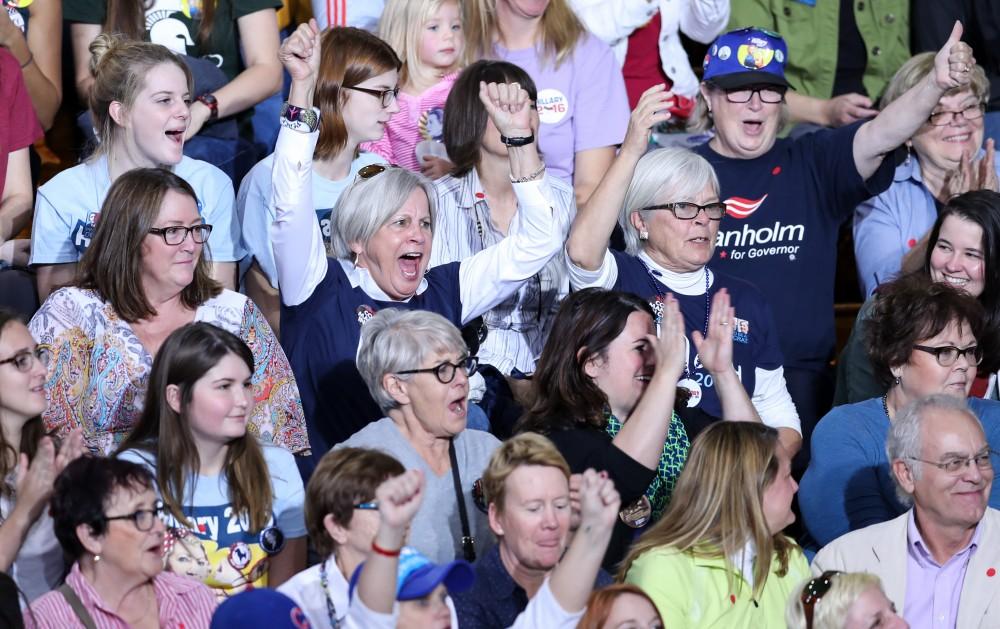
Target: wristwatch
(523,141)
(208,100)
(299,118)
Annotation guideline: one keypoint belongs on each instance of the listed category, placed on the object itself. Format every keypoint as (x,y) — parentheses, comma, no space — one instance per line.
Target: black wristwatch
(523,141)
(209,100)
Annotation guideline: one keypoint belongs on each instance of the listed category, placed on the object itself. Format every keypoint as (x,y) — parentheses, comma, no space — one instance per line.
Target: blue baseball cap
(417,576)
(263,609)
(748,56)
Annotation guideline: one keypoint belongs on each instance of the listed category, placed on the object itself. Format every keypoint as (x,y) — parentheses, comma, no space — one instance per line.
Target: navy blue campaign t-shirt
(755,339)
(320,337)
(783,213)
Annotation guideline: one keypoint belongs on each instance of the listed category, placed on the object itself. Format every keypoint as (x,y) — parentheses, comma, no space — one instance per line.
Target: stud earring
(97,558)
(643,234)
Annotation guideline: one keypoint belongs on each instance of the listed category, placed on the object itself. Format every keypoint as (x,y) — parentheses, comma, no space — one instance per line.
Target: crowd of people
(398,317)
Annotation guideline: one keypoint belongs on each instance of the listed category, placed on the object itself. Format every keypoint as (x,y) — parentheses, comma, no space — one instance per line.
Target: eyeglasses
(769,95)
(371,505)
(177,234)
(143,519)
(687,211)
(954,465)
(945,118)
(24,360)
(386,96)
(445,372)
(946,355)
(813,591)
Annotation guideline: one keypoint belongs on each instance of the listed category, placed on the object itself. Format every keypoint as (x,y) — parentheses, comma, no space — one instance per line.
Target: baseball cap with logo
(417,576)
(744,57)
(260,609)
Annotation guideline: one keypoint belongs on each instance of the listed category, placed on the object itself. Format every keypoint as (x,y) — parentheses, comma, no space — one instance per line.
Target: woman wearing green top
(602,388)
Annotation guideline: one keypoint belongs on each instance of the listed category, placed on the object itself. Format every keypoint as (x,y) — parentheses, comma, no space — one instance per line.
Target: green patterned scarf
(675,453)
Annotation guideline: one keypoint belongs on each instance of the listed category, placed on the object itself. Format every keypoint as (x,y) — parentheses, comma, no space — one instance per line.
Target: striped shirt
(419,117)
(182,603)
(358,13)
(518,326)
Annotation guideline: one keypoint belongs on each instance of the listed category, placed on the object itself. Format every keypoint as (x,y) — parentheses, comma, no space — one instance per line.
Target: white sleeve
(544,612)
(604,277)
(612,22)
(772,401)
(360,617)
(296,239)
(703,20)
(495,273)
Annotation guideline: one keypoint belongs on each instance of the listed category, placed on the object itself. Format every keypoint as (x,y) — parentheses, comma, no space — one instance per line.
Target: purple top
(933,591)
(582,102)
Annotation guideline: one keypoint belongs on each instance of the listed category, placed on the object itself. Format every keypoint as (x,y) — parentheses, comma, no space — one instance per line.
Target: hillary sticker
(741,330)
(754,57)
(84,231)
(552,106)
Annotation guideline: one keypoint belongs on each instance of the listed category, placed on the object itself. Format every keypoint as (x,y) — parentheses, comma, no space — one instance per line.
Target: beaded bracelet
(531,177)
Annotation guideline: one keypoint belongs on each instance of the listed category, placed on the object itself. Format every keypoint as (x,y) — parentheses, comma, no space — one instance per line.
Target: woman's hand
(652,109)
(980,174)
(847,108)
(399,499)
(599,501)
(670,349)
(33,482)
(716,349)
(508,106)
(434,167)
(300,52)
(953,63)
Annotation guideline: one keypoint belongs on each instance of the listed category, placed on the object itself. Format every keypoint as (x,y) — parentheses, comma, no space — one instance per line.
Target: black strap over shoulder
(468,542)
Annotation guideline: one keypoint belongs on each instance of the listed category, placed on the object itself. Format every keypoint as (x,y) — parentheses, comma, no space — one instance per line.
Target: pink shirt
(183,603)
(403,131)
(933,591)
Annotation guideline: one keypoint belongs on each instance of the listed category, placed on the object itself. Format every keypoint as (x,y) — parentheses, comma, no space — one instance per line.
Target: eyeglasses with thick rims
(946,355)
(176,234)
(945,118)
(385,96)
(143,519)
(445,372)
(814,590)
(769,95)
(686,211)
(24,360)
(955,464)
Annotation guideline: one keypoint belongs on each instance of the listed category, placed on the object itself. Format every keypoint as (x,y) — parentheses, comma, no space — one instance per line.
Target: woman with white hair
(842,600)
(381,240)
(417,368)
(670,214)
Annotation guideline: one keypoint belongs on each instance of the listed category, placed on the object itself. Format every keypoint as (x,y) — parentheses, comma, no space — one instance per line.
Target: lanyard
(331,609)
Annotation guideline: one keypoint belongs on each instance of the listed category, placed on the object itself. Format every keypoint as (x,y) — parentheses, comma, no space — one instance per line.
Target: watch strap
(209,100)
(521,141)
(299,118)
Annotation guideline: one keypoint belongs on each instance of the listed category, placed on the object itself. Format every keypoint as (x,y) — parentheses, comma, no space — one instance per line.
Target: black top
(851,54)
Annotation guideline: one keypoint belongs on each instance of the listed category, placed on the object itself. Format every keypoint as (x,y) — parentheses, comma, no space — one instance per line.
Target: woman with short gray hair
(382,238)
(670,213)
(417,368)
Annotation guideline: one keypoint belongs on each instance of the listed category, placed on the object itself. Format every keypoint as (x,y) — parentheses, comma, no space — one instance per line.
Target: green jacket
(692,592)
(811,35)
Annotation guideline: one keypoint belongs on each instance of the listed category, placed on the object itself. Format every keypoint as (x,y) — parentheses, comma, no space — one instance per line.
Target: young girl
(29,550)
(140,102)
(243,500)
(428,36)
(353,63)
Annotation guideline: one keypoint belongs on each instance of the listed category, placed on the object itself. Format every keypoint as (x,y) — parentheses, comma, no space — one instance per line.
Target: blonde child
(429,38)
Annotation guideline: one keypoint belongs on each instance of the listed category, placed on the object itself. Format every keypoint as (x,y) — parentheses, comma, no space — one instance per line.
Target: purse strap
(468,542)
(77,605)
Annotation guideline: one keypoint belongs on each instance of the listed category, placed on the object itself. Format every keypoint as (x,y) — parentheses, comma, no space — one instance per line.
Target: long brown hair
(564,396)
(348,56)
(561,29)
(187,355)
(31,433)
(717,504)
(128,17)
(112,264)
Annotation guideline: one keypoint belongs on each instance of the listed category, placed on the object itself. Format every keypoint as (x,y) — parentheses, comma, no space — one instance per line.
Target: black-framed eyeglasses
(385,96)
(686,210)
(769,95)
(143,519)
(946,355)
(445,372)
(176,234)
(370,505)
(955,464)
(814,590)
(24,360)
(945,118)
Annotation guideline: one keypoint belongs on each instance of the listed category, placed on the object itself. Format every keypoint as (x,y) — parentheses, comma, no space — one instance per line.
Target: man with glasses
(786,199)
(938,560)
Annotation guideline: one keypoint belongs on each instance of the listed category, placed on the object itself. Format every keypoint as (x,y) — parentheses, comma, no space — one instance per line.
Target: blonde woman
(723,532)
(582,104)
(842,600)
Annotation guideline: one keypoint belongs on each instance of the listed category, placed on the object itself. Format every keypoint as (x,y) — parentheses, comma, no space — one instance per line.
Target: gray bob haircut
(367,204)
(904,442)
(676,173)
(396,340)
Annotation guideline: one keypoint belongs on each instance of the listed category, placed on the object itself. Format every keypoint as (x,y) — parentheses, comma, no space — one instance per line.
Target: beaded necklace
(331,609)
